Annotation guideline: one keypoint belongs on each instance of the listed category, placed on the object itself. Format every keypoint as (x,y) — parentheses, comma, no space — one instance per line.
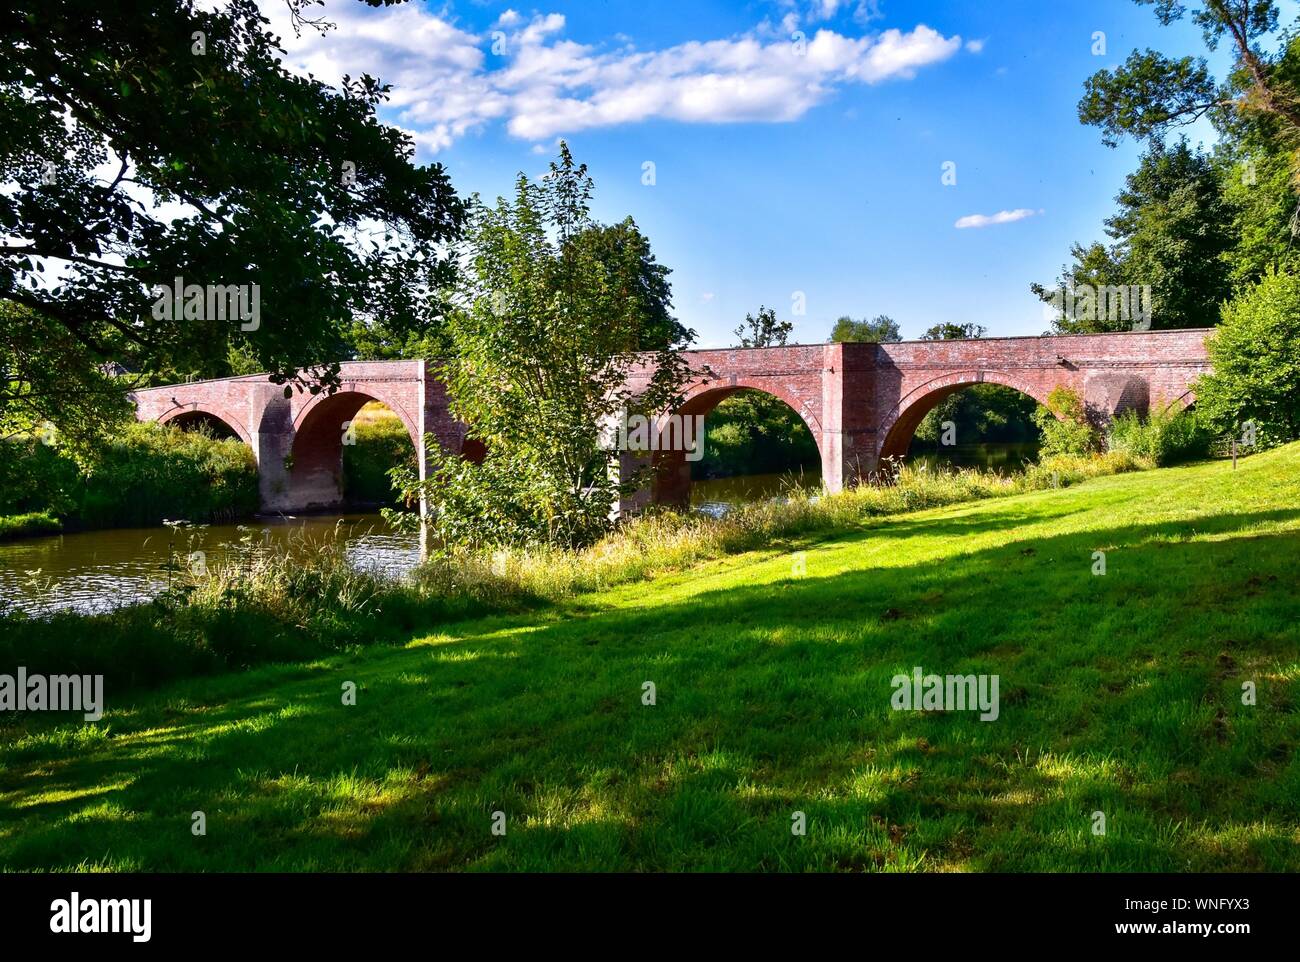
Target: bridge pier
(272,444)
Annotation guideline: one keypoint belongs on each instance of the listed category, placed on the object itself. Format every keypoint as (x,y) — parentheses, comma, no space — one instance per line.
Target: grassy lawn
(1119,693)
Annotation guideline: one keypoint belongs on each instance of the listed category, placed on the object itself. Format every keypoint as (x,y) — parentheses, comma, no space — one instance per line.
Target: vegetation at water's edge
(274,606)
(140,476)
(28,524)
(1119,693)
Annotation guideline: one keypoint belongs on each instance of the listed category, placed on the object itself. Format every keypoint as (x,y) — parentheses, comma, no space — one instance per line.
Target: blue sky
(782,169)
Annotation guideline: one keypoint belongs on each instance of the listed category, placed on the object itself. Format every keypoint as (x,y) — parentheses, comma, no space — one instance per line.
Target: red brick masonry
(860,401)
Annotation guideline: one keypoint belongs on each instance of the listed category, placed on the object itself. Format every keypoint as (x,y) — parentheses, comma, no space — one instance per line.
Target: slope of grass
(1120,693)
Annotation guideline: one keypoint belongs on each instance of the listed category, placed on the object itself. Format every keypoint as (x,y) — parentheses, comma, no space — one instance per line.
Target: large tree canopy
(1151,93)
(264,178)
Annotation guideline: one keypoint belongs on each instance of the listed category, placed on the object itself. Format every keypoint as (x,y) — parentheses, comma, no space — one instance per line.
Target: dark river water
(92,571)
(1002,458)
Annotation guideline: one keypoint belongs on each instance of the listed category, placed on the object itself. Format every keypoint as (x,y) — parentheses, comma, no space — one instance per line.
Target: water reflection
(1007,458)
(717,496)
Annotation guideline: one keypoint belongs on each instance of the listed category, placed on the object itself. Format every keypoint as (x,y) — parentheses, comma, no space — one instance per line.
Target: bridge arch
(188,416)
(672,475)
(315,467)
(900,424)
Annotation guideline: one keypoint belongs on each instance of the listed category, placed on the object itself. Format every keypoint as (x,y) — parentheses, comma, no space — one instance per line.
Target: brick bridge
(861,402)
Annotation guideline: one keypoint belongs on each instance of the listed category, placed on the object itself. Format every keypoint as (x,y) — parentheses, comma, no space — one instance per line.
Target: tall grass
(662,541)
(263,602)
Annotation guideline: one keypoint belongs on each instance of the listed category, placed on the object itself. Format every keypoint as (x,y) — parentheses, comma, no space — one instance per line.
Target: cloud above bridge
(523,73)
(1001,217)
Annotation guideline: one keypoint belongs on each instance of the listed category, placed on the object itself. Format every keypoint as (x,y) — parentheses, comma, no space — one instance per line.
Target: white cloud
(864,11)
(1001,217)
(707,296)
(975,46)
(447,82)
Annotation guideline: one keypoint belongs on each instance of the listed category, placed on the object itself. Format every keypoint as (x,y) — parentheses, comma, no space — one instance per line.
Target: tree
(557,315)
(755,433)
(881,329)
(291,192)
(48,378)
(954,332)
(764,330)
(1151,93)
(1174,227)
(981,413)
(1168,264)
(1255,364)
(1096,268)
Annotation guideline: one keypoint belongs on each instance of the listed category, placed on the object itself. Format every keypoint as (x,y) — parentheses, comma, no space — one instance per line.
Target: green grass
(28,524)
(1119,694)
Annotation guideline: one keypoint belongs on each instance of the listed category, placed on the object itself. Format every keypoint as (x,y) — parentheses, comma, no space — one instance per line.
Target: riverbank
(252,605)
(771,669)
(90,572)
(142,475)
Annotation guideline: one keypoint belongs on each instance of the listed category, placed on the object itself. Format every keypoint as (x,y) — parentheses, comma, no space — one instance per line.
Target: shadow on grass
(1118,694)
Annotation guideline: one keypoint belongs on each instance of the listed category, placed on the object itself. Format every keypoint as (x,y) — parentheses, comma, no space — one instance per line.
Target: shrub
(1165,436)
(1255,358)
(149,473)
(35,478)
(1065,425)
(26,525)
